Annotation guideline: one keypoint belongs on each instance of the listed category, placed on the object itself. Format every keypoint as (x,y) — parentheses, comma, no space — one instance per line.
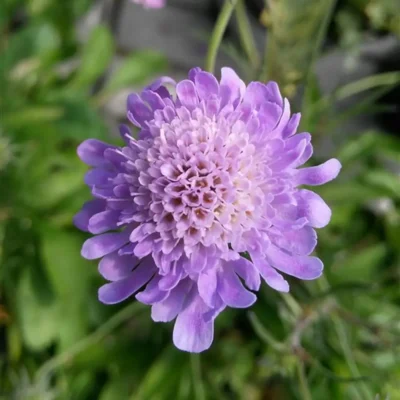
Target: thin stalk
(196,375)
(218,33)
(304,388)
(361,389)
(292,304)
(264,335)
(47,368)
(246,35)
(370,82)
(265,69)
(317,48)
(385,81)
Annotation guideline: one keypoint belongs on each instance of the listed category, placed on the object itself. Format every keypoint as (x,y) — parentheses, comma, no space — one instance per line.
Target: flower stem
(265,67)
(317,49)
(197,380)
(246,35)
(292,304)
(47,368)
(361,390)
(304,388)
(264,335)
(218,33)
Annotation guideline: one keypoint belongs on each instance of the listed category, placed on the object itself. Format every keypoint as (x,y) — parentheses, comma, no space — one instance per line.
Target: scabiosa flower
(151,3)
(204,203)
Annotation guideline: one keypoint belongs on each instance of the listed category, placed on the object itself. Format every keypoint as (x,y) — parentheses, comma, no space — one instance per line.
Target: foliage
(336,338)
(295,33)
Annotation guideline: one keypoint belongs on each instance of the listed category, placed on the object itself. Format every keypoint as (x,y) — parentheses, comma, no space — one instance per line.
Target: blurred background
(66,68)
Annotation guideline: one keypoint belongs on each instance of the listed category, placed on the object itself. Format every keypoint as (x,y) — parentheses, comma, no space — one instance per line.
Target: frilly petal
(91,152)
(168,309)
(115,292)
(232,292)
(90,208)
(192,332)
(318,175)
(302,267)
(106,243)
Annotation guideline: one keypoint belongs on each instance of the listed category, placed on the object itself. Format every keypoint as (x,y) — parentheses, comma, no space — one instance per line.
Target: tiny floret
(206,201)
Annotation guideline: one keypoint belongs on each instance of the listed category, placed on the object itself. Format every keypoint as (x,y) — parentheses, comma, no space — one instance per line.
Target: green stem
(292,304)
(328,14)
(218,33)
(246,35)
(264,335)
(197,380)
(361,389)
(265,73)
(304,388)
(47,368)
(370,82)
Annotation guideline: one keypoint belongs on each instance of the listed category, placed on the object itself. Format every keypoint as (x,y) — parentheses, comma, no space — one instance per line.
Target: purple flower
(151,3)
(211,181)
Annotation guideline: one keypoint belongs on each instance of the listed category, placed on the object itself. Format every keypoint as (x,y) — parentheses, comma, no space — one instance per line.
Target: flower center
(201,171)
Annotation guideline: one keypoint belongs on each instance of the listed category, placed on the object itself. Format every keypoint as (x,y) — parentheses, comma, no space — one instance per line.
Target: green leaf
(392,229)
(72,321)
(14,343)
(370,82)
(31,115)
(81,384)
(355,193)
(70,276)
(48,41)
(61,180)
(96,56)
(135,69)
(117,388)
(163,377)
(80,120)
(19,47)
(36,7)
(357,148)
(38,320)
(68,272)
(385,180)
(361,266)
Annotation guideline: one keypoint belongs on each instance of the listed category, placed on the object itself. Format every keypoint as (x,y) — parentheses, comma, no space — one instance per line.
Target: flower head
(205,202)
(151,3)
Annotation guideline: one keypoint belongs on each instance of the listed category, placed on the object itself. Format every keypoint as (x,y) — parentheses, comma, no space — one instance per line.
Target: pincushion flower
(206,202)
(151,3)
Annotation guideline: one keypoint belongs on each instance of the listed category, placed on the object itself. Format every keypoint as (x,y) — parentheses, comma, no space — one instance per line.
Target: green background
(335,338)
